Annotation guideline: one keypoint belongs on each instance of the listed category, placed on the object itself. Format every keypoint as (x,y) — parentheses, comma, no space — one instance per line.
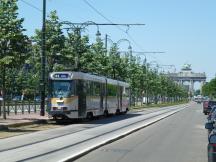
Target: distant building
(187,75)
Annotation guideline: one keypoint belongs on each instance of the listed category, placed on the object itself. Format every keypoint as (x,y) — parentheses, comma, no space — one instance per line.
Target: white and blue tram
(82,95)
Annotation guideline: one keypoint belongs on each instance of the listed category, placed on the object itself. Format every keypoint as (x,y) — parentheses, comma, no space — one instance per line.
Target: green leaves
(209,89)
(7,60)
(14,45)
(69,51)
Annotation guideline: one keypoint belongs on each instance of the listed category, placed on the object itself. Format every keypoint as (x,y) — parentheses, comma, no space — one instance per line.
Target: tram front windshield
(62,89)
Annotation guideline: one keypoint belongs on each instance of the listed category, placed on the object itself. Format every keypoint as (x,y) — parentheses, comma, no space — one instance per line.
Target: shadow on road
(97,120)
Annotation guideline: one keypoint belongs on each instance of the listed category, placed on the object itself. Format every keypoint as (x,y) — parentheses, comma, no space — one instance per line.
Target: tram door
(81,91)
(120,96)
(102,94)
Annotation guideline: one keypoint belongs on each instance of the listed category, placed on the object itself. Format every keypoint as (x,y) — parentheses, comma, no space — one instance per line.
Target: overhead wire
(107,19)
(98,12)
(31,5)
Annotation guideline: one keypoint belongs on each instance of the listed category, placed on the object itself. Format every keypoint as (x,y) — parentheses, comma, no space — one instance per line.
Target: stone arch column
(192,86)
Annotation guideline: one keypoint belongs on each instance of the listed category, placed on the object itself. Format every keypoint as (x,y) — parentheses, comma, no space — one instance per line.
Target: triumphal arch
(187,75)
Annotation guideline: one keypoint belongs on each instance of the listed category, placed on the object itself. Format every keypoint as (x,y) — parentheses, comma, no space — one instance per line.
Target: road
(179,138)
(71,141)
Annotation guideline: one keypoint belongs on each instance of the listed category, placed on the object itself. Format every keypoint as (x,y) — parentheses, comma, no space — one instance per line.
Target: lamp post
(43,59)
(5,44)
(125,40)
(117,43)
(147,82)
(168,66)
(106,41)
(77,27)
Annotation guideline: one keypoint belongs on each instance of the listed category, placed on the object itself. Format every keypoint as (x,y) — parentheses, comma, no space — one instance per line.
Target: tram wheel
(90,116)
(106,114)
(118,112)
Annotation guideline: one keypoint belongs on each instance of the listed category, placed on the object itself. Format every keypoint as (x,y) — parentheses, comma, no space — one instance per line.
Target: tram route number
(61,76)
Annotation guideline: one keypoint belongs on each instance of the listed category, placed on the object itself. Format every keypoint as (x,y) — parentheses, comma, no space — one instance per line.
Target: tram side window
(92,88)
(96,89)
(88,88)
(111,90)
(126,92)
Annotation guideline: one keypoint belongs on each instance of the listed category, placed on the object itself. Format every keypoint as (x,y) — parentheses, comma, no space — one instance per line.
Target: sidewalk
(21,119)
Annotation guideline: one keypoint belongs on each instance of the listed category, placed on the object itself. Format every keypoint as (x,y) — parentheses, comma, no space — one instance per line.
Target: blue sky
(184,29)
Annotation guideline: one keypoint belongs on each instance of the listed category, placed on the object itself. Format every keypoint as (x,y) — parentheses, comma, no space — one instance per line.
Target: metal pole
(106,37)
(147,97)
(78,43)
(3,92)
(43,56)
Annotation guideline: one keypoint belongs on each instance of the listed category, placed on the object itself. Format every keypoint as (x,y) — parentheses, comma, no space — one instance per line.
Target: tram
(81,95)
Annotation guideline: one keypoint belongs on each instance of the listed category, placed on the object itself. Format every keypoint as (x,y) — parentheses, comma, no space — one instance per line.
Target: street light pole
(78,41)
(3,92)
(5,45)
(43,61)
(106,37)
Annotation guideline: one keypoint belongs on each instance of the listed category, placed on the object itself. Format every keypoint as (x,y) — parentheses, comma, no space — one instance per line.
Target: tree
(77,48)
(55,41)
(14,45)
(209,89)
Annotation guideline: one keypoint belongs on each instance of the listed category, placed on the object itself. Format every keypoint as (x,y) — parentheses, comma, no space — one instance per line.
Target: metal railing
(20,107)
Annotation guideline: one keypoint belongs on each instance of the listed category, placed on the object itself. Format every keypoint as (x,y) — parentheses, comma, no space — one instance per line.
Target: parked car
(212,146)
(38,99)
(212,114)
(207,106)
(209,126)
(17,98)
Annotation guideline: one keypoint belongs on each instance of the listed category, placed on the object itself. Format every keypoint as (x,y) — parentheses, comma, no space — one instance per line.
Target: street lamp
(43,61)
(98,34)
(168,66)
(77,27)
(125,40)
(147,65)
(106,41)
(5,44)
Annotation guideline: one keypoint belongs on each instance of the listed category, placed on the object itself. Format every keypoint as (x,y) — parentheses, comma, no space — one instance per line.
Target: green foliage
(55,41)
(71,51)
(209,89)
(14,45)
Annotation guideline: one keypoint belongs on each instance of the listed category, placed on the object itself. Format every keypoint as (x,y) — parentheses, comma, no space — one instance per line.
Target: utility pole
(78,33)
(5,49)
(3,92)
(106,37)
(43,62)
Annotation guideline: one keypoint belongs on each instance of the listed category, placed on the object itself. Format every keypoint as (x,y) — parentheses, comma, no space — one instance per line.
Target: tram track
(84,128)
(167,110)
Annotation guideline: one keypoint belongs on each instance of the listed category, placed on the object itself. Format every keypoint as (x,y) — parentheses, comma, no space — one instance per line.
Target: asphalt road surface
(178,138)
(68,142)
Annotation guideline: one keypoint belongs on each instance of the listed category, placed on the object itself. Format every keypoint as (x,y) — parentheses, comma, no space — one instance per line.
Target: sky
(185,30)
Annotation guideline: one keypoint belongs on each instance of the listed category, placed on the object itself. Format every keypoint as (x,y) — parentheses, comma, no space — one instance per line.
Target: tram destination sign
(61,76)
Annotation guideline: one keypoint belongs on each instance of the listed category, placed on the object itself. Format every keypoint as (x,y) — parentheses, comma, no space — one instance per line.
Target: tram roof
(65,75)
